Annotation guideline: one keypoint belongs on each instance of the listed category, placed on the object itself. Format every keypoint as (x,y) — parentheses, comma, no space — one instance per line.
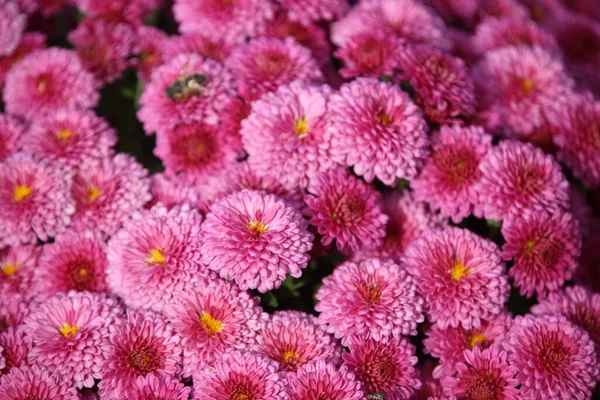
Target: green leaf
(385,78)
(493,224)
(271,300)
(402,184)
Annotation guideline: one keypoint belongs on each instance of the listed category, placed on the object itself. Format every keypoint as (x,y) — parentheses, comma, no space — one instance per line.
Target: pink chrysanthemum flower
(12,25)
(34,200)
(377,130)
(518,176)
(409,20)
(149,49)
(132,12)
(70,137)
(185,89)
(456,12)
(577,138)
(372,299)
(460,276)
(232,21)
(106,194)
(35,383)
(287,131)
(554,359)
(155,255)
(372,53)
(30,41)
(75,261)
(146,343)
(430,387)
(15,348)
(17,266)
(307,12)
(523,86)
(195,152)
(385,368)
(408,220)
(483,374)
(447,180)
(103,47)
(448,344)
(197,43)
(69,335)
(48,80)
(256,239)
(578,37)
(495,33)
(441,83)
(501,9)
(14,310)
(578,304)
(172,191)
(240,375)
(265,64)
(321,380)
(151,387)
(213,318)
(294,339)
(346,209)
(545,248)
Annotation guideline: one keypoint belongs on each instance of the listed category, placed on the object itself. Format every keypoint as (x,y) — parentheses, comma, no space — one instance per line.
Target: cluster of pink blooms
(406,165)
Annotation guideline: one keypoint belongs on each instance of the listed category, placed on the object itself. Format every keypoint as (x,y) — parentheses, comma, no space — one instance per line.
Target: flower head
(370,299)
(545,248)
(154,256)
(307,12)
(518,176)
(15,348)
(12,25)
(460,276)
(447,180)
(321,380)
(386,368)
(256,239)
(132,12)
(34,200)
(553,358)
(17,266)
(197,43)
(152,387)
(34,382)
(172,191)
(372,53)
(150,49)
(30,41)
(377,130)
(47,80)
(345,209)
(494,33)
(69,335)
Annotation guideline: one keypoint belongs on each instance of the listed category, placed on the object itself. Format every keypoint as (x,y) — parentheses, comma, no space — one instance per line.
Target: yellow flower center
(527,84)
(93,193)
(21,192)
(210,325)
(529,247)
(257,227)
(82,272)
(64,135)
(156,257)
(458,270)
(68,331)
(9,269)
(290,356)
(477,339)
(385,119)
(301,127)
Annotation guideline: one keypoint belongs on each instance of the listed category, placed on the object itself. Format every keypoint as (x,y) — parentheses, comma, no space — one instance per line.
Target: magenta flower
(307,12)
(34,200)
(212,319)
(484,373)
(447,180)
(152,387)
(49,80)
(70,137)
(345,209)
(18,264)
(321,380)
(372,53)
(12,25)
(69,335)
(256,239)
(14,309)
(30,41)
(386,368)
(503,9)
(264,64)
(197,43)
(106,194)
(517,177)
(372,299)
(494,33)
(232,21)
(15,348)
(163,107)
(149,49)
(431,388)
(31,382)
(287,131)
(460,276)
(294,339)
(144,344)
(172,191)
(545,248)
(377,130)
(154,256)
(448,344)
(554,359)
(132,12)
(103,47)
(75,261)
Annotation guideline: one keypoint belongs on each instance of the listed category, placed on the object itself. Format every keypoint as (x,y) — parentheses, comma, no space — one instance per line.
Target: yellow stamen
(476,339)
(9,269)
(156,257)
(289,356)
(242,396)
(21,192)
(93,193)
(527,84)
(210,324)
(68,331)
(301,127)
(257,226)
(458,270)
(385,119)
(82,272)
(529,247)
(64,135)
